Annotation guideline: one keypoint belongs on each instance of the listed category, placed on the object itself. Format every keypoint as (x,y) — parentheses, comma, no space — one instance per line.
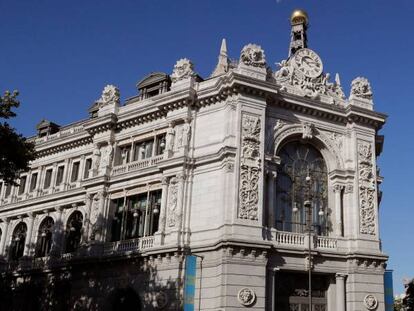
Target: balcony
(132,245)
(136,165)
(300,240)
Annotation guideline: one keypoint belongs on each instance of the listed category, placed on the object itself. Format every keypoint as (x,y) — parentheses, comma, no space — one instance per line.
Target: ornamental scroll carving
(110,94)
(183,69)
(366,189)
(172,207)
(253,55)
(249,167)
(360,87)
(304,73)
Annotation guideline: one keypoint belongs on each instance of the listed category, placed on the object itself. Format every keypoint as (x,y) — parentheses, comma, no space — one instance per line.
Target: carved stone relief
(246,296)
(360,87)
(366,189)
(94,216)
(304,73)
(308,129)
(295,129)
(170,139)
(183,69)
(172,206)
(253,55)
(249,167)
(370,302)
(110,94)
(106,157)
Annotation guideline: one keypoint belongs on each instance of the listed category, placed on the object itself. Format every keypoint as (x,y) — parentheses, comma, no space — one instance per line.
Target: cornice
(59,146)
(101,124)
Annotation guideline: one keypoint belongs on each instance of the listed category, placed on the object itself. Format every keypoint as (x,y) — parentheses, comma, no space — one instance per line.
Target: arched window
(73,232)
(44,237)
(18,241)
(299,161)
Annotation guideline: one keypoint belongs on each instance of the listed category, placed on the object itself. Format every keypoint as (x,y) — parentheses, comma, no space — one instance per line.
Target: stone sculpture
(253,55)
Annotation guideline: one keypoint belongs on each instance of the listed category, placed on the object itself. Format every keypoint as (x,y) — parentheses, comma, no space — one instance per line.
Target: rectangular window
(125,154)
(88,166)
(33,182)
(48,178)
(75,172)
(59,176)
(137,217)
(143,150)
(8,190)
(22,186)
(160,147)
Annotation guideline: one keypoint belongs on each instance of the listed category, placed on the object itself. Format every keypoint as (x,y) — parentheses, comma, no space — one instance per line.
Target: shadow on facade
(87,280)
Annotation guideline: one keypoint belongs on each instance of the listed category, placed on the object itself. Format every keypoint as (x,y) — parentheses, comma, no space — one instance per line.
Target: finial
(223,48)
(223,61)
(299,17)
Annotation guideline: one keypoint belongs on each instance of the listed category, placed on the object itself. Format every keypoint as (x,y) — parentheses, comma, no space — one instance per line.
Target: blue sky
(60,54)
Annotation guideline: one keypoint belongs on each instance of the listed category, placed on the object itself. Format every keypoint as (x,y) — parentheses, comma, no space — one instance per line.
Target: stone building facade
(231,168)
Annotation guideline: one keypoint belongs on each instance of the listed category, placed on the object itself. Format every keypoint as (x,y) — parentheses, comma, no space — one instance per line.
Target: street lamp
(308,209)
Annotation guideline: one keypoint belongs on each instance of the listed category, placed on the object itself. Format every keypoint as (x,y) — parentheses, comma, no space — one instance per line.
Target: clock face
(308,63)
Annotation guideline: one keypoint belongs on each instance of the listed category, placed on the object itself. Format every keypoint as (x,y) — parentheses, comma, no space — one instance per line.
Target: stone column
(56,248)
(81,168)
(271,187)
(180,200)
(53,177)
(340,292)
(4,236)
(41,180)
(86,221)
(338,209)
(27,246)
(102,195)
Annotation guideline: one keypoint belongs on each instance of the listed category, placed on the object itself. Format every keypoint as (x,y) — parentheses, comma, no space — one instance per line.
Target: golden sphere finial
(299,17)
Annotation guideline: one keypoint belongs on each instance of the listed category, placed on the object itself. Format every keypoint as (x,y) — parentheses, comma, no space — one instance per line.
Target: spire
(298,39)
(223,61)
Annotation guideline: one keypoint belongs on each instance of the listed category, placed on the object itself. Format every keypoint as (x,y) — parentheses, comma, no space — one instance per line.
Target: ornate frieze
(366,189)
(249,167)
(361,88)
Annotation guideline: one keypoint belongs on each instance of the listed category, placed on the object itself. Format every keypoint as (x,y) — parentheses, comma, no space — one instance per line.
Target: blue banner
(388,291)
(189,282)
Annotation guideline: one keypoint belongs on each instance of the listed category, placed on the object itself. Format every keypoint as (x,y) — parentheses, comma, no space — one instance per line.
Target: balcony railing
(290,238)
(132,245)
(136,165)
(326,242)
(294,239)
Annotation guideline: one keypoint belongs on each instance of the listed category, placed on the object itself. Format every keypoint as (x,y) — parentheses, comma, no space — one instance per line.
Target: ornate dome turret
(299,17)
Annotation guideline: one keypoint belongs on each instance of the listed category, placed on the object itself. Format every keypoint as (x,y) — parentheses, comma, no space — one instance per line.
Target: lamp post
(308,209)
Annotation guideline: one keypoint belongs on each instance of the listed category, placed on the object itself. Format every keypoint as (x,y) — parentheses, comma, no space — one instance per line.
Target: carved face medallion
(308,63)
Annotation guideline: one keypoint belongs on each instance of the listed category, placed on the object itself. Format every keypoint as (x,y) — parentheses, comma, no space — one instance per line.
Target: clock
(308,63)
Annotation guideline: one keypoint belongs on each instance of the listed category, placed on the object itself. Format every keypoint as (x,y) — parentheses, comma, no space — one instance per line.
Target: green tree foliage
(15,151)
